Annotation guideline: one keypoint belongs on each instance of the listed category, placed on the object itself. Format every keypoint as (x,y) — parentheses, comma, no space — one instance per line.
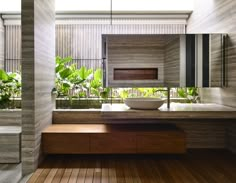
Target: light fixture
(111,13)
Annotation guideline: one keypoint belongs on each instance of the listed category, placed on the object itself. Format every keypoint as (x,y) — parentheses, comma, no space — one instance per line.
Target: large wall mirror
(167,60)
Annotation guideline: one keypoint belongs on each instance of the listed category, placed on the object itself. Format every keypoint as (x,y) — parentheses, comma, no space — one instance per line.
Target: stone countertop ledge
(173,107)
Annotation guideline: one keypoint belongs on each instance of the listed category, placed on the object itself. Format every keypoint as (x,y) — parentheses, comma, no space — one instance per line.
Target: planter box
(13,104)
(10,117)
(84,103)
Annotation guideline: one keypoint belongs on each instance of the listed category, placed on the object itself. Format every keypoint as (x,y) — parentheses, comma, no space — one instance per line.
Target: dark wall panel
(190,60)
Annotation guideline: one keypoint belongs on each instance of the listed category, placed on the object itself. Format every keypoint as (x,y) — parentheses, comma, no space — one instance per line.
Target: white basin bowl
(144,103)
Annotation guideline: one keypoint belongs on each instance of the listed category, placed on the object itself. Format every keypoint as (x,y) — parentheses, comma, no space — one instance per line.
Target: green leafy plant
(105,93)
(189,93)
(96,83)
(148,92)
(69,79)
(10,88)
(124,92)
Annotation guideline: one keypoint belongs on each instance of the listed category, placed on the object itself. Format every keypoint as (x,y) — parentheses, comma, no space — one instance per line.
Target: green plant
(190,93)
(69,79)
(124,92)
(105,93)
(10,88)
(151,92)
(96,83)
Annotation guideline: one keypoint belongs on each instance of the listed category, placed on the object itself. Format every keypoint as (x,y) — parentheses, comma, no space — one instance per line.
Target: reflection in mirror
(187,60)
(205,60)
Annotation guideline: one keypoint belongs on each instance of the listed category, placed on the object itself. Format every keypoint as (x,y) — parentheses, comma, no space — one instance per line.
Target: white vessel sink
(144,103)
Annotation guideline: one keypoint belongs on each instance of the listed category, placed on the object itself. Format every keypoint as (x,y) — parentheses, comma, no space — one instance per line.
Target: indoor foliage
(78,83)
(191,94)
(10,88)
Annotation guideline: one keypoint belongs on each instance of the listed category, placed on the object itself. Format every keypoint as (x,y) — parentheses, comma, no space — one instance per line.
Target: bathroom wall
(216,60)
(133,51)
(1,44)
(172,62)
(219,17)
(38,54)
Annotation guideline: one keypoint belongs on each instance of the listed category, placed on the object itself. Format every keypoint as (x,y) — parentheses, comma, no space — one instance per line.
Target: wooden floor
(198,166)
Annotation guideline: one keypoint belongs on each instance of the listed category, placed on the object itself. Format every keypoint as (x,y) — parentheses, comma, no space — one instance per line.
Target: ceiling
(118,6)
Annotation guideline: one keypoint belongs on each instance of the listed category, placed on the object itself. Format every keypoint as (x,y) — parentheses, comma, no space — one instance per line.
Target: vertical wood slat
(13,48)
(1,44)
(83,41)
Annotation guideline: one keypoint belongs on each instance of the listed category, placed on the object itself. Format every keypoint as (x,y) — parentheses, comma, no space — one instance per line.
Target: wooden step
(113,139)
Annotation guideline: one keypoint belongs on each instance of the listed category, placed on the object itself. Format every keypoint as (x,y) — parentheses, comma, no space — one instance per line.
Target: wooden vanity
(113,139)
(123,130)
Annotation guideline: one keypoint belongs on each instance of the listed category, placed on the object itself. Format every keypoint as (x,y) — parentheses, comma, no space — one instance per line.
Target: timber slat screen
(13,65)
(80,40)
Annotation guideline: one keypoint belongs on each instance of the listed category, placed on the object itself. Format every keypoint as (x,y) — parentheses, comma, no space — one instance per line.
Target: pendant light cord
(111,13)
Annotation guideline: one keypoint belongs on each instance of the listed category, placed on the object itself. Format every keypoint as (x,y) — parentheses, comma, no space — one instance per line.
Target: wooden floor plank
(75,170)
(35,175)
(61,169)
(47,168)
(90,171)
(196,172)
(112,171)
(43,175)
(208,166)
(97,172)
(127,172)
(141,174)
(51,175)
(164,173)
(66,176)
(105,171)
(82,172)
(156,171)
(133,168)
(119,172)
(39,174)
(147,169)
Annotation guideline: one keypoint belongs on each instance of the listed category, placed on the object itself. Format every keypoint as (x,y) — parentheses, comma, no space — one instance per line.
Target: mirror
(164,60)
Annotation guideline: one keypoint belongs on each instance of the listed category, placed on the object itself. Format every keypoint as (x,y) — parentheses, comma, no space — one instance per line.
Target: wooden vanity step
(113,139)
